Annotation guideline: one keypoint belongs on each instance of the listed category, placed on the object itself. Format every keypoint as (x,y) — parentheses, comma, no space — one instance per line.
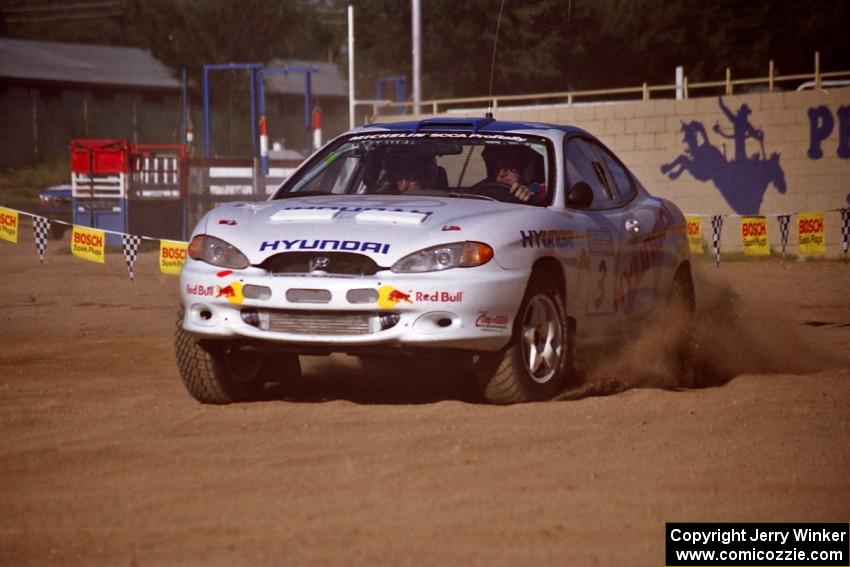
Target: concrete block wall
(648,134)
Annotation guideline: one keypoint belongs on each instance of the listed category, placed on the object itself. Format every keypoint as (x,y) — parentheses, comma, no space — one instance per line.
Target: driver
(511,166)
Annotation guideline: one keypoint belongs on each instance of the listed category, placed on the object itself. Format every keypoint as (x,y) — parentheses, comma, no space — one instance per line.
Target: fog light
(251,317)
(388,320)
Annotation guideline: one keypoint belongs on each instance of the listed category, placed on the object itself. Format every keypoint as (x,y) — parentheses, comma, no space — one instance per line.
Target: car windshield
(463,165)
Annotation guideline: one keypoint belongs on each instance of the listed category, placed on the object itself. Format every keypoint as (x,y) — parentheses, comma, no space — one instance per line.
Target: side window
(620,178)
(584,163)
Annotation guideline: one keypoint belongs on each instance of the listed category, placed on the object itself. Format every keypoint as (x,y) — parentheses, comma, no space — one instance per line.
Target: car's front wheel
(221,372)
(534,365)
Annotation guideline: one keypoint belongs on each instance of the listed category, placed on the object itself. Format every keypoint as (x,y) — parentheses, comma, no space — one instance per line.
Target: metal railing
(624,94)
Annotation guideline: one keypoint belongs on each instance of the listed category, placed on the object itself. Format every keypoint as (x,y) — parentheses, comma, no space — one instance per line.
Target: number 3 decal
(600,289)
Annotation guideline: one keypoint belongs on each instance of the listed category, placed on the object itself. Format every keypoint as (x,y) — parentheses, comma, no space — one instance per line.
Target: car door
(606,233)
(642,264)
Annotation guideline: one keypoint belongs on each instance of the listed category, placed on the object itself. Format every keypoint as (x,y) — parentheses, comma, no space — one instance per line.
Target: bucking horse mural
(742,180)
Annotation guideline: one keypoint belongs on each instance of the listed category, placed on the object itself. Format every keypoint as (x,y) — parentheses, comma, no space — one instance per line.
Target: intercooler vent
(325,323)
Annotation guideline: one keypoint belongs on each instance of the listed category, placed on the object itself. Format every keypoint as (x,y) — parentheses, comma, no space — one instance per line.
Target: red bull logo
(389,297)
(197,289)
(440,296)
(231,292)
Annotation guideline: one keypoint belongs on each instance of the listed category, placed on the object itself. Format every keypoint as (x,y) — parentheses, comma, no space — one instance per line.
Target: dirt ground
(106,460)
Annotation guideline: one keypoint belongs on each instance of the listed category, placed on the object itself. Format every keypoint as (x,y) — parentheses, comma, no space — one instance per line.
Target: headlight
(217,252)
(445,256)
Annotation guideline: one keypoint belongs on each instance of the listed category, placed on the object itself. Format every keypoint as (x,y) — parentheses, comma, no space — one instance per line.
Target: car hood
(385,228)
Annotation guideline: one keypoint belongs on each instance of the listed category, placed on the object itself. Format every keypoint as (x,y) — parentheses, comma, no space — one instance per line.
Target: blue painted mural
(821,125)
(742,180)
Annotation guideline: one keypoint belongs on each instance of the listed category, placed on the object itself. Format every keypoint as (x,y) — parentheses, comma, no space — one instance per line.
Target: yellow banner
(88,244)
(694,234)
(754,236)
(9,225)
(810,234)
(172,256)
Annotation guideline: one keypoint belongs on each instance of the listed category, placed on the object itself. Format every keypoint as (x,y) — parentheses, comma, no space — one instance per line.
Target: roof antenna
(493,62)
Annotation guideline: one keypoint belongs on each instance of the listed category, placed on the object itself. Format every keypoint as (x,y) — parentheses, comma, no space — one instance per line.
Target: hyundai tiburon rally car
(405,240)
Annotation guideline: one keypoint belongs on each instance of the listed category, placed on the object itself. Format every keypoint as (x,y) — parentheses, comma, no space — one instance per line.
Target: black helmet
(514,157)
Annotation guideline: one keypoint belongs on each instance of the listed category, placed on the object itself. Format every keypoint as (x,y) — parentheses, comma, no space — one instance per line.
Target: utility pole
(350,66)
(417,55)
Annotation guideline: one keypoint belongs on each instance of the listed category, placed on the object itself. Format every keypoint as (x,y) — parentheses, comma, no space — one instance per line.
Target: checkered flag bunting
(130,244)
(40,230)
(784,220)
(845,229)
(716,227)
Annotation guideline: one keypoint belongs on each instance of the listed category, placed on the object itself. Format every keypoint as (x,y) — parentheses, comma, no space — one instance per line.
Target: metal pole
(205,86)
(308,123)
(417,55)
(350,66)
(264,156)
(185,89)
(252,73)
(34,95)
(135,121)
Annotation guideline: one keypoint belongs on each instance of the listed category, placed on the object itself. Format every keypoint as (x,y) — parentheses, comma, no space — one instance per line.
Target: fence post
(728,81)
(817,70)
(680,80)
(645,91)
(770,72)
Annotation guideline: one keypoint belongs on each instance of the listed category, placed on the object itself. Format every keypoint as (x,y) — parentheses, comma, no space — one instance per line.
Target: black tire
(219,372)
(519,373)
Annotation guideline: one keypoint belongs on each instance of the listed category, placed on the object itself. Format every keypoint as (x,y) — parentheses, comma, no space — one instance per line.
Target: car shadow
(388,381)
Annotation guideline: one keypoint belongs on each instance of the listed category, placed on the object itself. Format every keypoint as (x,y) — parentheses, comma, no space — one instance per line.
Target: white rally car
(503,243)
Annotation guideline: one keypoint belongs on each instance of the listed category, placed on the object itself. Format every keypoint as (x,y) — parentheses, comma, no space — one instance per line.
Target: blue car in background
(55,203)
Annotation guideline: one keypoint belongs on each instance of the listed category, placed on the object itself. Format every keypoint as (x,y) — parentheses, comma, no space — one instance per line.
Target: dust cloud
(727,337)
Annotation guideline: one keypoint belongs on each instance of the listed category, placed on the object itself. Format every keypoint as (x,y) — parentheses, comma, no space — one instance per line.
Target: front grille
(324,323)
(343,263)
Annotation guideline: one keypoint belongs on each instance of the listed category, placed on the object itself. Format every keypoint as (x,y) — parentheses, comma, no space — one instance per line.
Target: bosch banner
(810,234)
(9,225)
(172,256)
(694,234)
(88,244)
(754,236)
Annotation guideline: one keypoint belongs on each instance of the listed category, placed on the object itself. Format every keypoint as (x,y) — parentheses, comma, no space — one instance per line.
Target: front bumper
(465,308)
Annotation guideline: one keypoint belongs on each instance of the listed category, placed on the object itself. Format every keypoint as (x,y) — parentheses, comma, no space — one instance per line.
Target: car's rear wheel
(222,372)
(534,365)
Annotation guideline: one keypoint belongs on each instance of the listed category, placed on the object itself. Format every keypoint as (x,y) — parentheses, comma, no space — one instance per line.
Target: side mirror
(580,196)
